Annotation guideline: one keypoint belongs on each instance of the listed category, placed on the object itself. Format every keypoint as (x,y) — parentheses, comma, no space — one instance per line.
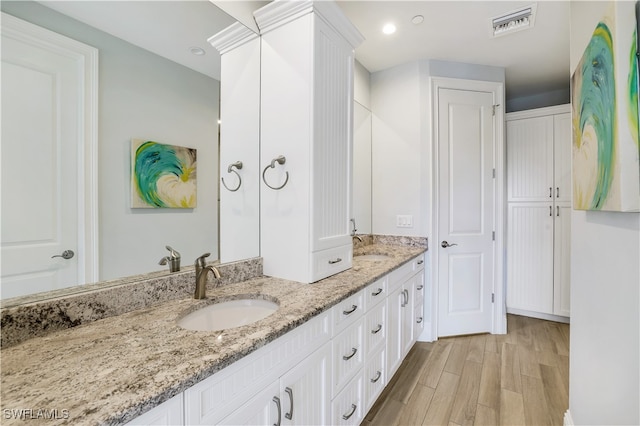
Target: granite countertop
(112,370)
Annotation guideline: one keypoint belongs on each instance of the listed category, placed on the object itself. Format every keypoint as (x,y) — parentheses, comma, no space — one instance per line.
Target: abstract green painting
(162,176)
(604,87)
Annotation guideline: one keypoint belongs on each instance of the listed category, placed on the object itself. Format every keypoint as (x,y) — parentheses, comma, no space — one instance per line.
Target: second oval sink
(229,314)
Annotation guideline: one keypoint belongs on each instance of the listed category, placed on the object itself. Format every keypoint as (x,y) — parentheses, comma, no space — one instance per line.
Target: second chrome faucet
(202,272)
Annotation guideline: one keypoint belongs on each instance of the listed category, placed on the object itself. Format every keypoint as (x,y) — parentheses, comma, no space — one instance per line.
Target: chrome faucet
(173,260)
(202,271)
(354,230)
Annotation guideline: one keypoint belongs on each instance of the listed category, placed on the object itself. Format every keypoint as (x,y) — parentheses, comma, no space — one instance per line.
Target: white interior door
(466,196)
(43,129)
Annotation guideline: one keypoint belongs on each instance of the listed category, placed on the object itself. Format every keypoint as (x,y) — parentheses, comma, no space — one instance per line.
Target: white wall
(142,95)
(400,102)
(604,382)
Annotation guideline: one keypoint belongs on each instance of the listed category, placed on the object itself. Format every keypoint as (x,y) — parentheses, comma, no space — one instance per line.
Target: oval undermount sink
(229,314)
(373,257)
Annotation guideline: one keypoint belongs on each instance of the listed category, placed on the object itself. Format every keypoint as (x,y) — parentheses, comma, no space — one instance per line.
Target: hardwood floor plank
(476,348)
(416,409)
(408,376)
(465,404)
(489,394)
(440,408)
(389,413)
(547,358)
(559,338)
(435,364)
(457,356)
(511,408)
(542,341)
(486,416)
(536,410)
(555,393)
(491,344)
(528,362)
(510,368)
(563,367)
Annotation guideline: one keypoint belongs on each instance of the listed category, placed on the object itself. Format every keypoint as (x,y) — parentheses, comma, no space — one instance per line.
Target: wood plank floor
(520,378)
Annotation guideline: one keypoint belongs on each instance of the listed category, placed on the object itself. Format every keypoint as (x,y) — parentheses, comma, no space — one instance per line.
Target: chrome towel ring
(280,160)
(230,169)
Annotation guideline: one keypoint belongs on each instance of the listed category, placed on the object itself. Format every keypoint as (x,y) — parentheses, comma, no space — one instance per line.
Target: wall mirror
(141,95)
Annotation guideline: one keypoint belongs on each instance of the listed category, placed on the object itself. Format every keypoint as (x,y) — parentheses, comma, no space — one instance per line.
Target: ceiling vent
(517,20)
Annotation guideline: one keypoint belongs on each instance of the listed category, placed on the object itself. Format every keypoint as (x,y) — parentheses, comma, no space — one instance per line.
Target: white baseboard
(568,421)
(539,315)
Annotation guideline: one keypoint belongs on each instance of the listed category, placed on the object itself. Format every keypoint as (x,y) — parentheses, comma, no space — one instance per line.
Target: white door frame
(499,319)
(87,207)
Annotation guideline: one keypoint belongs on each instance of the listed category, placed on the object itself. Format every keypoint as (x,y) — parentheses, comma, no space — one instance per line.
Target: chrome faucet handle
(200,262)
(353,229)
(173,254)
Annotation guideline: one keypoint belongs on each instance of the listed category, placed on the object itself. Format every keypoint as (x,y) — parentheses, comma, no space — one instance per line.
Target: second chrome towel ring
(280,160)
(230,169)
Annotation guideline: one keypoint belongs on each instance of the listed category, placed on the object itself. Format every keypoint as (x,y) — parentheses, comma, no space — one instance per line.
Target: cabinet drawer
(375,329)
(347,355)
(348,407)
(398,276)
(325,263)
(214,398)
(375,376)
(375,293)
(347,312)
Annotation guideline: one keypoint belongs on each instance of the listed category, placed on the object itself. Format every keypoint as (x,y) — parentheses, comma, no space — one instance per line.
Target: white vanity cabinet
(299,361)
(306,139)
(169,413)
(403,286)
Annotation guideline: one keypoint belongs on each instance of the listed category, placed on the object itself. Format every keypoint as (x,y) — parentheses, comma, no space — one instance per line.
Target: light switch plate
(404,221)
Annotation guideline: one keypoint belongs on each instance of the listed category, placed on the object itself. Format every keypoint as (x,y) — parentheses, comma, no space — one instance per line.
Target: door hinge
(494,173)
(493,109)
(493,235)
(493,298)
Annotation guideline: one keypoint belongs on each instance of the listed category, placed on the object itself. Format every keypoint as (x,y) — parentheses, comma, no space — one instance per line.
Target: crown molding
(231,37)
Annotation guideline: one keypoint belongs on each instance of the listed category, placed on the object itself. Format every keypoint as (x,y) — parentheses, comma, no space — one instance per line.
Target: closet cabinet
(306,139)
(539,208)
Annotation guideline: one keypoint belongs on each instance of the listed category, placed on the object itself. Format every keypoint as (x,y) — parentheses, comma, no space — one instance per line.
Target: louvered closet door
(530,259)
(530,159)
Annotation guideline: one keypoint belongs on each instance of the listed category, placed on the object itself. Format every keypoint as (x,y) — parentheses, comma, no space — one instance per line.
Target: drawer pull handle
(377,292)
(377,330)
(378,375)
(289,392)
(420,287)
(352,310)
(353,410)
(419,320)
(277,401)
(420,262)
(348,357)
(332,262)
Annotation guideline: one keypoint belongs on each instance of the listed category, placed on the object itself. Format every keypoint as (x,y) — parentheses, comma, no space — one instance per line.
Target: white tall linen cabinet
(539,209)
(307,118)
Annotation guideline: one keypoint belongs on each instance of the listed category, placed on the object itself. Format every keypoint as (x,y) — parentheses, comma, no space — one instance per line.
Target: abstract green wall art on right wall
(606,150)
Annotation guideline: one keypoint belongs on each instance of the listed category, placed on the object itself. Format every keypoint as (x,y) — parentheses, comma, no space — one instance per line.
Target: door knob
(67,254)
(445,244)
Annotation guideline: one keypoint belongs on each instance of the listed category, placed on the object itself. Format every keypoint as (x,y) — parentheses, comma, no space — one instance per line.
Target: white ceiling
(535,60)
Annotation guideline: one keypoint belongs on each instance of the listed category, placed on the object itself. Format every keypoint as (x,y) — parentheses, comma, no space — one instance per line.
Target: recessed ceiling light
(389,28)
(197,51)
(417,20)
